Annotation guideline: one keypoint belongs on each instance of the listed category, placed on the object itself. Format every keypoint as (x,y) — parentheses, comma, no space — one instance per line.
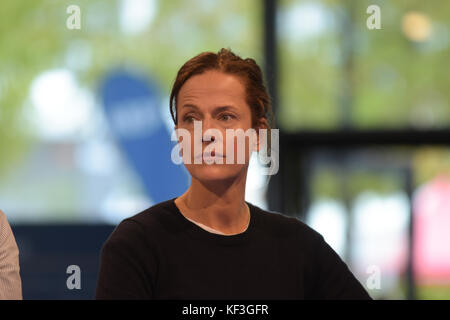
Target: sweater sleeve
(10,282)
(333,279)
(126,265)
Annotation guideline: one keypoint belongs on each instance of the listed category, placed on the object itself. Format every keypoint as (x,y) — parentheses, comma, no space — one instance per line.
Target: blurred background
(364,119)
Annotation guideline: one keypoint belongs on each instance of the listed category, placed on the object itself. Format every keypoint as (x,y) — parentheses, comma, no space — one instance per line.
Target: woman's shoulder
(146,222)
(284,225)
(154,214)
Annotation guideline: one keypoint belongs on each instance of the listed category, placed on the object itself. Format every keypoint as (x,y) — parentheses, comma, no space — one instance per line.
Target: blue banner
(132,106)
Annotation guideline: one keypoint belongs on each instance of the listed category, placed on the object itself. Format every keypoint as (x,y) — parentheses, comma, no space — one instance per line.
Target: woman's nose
(207,135)
(208,138)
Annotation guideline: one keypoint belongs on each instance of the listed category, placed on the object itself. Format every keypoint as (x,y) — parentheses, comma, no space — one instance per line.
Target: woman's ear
(175,129)
(262,124)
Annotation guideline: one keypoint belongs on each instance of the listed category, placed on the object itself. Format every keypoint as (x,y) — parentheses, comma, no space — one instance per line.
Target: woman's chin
(213,172)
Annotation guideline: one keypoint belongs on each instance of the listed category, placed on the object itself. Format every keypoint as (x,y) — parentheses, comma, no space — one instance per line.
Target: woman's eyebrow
(193,106)
(216,109)
(224,108)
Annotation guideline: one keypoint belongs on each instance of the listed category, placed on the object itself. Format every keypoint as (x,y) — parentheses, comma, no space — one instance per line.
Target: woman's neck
(219,205)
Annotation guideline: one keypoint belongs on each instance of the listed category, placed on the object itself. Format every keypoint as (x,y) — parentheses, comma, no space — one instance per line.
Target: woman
(209,243)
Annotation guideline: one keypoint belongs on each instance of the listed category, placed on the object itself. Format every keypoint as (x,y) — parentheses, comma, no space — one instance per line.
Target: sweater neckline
(198,232)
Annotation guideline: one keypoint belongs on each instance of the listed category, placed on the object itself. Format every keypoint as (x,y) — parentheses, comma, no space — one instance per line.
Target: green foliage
(352,76)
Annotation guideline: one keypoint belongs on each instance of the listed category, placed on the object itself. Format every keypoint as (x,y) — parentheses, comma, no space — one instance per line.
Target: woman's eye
(227,117)
(188,119)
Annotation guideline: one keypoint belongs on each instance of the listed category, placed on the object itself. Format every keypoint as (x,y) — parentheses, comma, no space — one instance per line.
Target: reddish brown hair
(227,62)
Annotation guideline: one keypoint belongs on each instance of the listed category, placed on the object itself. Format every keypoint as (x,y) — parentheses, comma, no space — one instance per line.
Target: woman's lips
(206,155)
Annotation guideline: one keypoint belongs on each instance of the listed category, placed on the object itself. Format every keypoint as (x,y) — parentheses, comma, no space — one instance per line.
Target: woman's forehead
(212,84)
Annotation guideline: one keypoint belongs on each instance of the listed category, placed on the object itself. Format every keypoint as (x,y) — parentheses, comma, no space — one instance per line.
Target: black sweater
(159,254)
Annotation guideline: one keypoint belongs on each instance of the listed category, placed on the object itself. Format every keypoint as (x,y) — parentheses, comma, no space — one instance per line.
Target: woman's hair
(227,62)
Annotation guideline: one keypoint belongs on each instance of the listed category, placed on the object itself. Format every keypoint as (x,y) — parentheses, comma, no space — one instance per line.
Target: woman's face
(217,100)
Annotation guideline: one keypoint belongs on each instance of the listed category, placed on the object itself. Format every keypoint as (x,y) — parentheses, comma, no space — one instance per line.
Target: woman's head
(223,91)
(227,62)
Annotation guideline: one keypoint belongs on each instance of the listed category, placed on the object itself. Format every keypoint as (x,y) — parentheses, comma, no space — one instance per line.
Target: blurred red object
(432,232)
